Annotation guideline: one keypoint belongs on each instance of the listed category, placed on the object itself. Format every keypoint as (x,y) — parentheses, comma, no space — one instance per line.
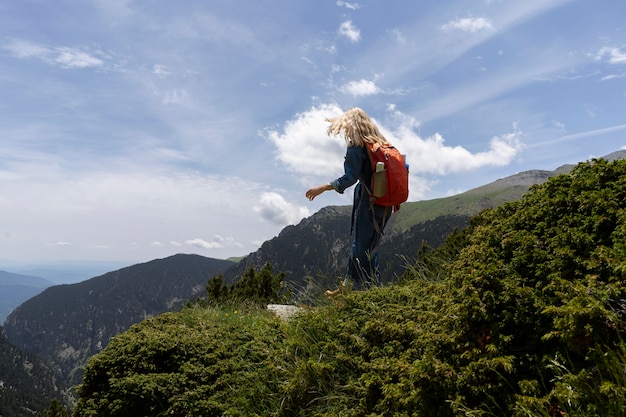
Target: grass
(468,203)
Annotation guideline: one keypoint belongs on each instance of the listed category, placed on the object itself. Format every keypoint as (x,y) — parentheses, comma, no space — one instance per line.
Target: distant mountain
(319,245)
(67,324)
(27,384)
(62,271)
(16,288)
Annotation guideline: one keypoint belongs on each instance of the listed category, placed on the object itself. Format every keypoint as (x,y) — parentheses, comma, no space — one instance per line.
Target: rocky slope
(27,384)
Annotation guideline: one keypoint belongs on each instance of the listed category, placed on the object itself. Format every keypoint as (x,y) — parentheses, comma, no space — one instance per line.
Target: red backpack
(390,175)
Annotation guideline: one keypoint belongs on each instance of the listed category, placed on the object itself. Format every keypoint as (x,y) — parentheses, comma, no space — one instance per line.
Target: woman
(368,220)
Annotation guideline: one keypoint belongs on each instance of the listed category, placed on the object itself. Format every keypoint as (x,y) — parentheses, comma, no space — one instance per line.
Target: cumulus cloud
(360,88)
(431,155)
(63,57)
(348,30)
(275,209)
(299,147)
(303,146)
(468,24)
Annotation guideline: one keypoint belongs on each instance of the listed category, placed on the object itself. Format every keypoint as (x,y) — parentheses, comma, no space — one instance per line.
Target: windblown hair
(356,127)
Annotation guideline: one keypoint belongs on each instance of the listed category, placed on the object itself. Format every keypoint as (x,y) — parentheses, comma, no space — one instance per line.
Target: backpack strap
(379,228)
(371,149)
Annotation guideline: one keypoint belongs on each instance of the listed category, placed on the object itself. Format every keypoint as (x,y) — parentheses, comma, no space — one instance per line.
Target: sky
(132,130)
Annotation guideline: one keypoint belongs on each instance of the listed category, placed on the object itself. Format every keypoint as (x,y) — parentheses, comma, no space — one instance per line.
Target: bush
(256,287)
(200,362)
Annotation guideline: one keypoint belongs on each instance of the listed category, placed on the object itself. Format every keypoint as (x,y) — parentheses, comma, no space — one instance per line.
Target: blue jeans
(363,262)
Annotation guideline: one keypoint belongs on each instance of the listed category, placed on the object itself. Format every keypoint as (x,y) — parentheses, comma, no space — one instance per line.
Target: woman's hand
(315,191)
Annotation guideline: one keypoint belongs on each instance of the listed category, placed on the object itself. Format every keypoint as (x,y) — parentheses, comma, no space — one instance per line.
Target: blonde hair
(356,127)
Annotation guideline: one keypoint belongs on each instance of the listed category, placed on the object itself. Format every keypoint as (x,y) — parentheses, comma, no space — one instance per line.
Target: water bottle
(380,180)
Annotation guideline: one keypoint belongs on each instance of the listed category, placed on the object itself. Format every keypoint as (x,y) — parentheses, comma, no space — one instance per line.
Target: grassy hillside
(521,314)
(470,202)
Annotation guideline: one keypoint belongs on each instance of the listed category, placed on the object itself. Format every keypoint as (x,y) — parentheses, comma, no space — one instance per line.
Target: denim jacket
(357,166)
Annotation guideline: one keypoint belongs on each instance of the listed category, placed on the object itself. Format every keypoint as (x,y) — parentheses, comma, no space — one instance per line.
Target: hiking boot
(332,293)
(341,289)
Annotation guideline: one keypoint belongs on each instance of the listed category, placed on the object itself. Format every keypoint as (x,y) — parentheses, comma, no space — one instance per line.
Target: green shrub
(539,278)
(200,362)
(363,354)
(256,287)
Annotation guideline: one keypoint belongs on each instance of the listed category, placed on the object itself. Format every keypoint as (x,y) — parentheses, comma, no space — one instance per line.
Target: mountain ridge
(66,324)
(308,252)
(17,288)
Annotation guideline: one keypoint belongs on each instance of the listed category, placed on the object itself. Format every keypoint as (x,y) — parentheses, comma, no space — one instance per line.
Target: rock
(283,311)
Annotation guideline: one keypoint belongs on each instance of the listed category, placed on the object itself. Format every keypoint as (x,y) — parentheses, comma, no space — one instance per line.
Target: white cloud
(64,57)
(275,209)
(348,30)
(61,243)
(303,145)
(360,88)
(217,242)
(160,71)
(612,77)
(25,49)
(117,209)
(612,54)
(304,148)
(432,155)
(468,24)
(202,244)
(74,58)
(347,5)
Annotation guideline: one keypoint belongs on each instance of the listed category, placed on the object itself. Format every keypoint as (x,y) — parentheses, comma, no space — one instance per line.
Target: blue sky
(132,129)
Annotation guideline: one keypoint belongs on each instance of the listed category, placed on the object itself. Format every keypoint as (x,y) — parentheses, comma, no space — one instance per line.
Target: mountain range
(65,325)
(17,288)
